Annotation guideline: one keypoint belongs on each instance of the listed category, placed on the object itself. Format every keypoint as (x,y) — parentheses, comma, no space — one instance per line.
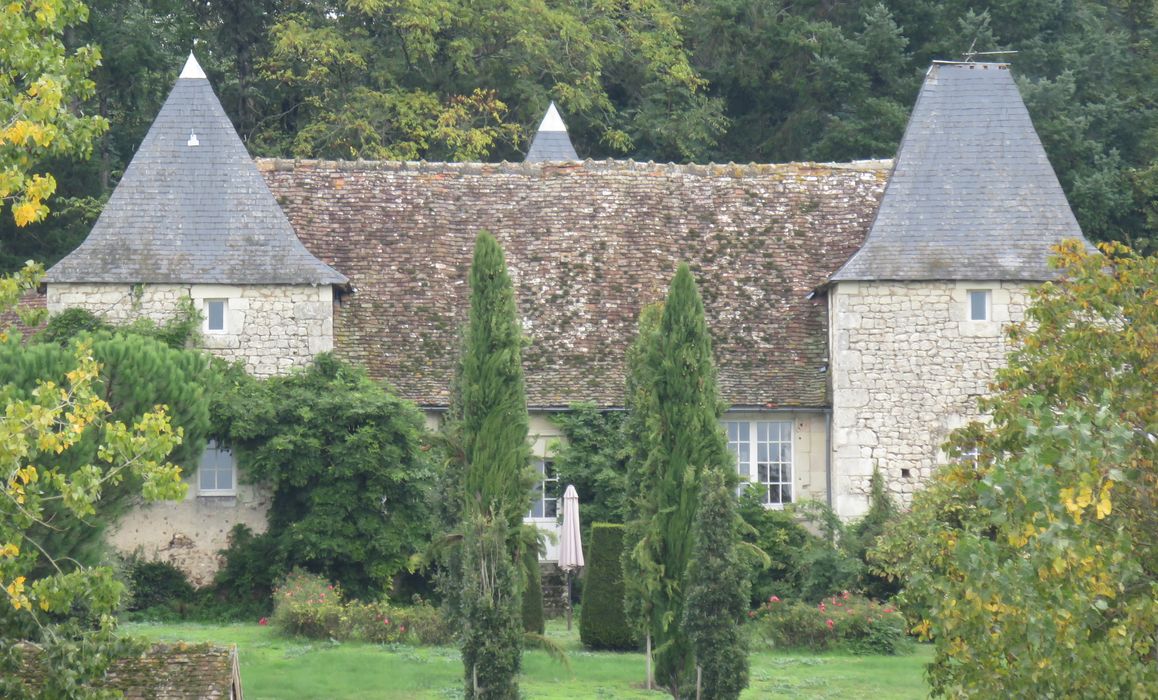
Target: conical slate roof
(192,208)
(972,195)
(551,142)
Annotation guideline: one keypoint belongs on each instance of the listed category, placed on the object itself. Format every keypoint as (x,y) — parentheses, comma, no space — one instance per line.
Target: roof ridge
(525,167)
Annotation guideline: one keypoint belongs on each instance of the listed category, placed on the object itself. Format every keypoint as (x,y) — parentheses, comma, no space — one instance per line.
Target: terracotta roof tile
(587,245)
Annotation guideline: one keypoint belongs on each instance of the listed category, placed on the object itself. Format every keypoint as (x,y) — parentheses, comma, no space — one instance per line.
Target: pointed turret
(551,142)
(192,208)
(972,195)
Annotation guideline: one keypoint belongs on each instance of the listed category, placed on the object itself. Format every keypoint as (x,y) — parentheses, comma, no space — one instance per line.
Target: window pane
(215,314)
(979,305)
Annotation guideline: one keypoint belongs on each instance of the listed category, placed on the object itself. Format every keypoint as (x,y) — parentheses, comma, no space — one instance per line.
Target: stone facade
(907,368)
(270,328)
(190,533)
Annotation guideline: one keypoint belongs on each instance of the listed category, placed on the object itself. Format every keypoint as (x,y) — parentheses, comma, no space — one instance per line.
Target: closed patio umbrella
(571,542)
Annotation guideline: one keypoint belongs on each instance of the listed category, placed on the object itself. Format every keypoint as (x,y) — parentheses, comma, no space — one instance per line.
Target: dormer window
(980,305)
(215,312)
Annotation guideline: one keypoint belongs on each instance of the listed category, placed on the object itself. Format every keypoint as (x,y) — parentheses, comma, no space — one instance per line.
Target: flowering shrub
(845,622)
(310,606)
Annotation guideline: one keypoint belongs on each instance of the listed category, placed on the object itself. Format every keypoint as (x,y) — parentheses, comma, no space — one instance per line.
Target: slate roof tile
(972,195)
(187,213)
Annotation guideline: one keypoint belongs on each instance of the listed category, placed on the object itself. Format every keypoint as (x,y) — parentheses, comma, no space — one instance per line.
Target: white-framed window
(980,305)
(545,501)
(763,452)
(216,311)
(216,472)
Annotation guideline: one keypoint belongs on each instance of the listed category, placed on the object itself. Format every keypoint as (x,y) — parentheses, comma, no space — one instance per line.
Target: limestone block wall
(189,533)
(907,368)
(271,328)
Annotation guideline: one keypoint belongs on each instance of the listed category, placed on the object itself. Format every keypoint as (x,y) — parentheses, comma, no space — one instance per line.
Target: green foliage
(136,375)
(776,532)
(497,481)
(253,564)
(308,605)
(43,82)
(346,466)
(1033,567)
(490,421)
(602,624)
(592,458)
(491,631)
(533,620)
(717,592)
(154,583)
(846,622)
(682,438)
(862,537)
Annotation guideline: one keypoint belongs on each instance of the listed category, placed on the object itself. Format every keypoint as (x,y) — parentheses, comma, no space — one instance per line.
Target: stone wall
(271,328)
(189,533)
(907,368)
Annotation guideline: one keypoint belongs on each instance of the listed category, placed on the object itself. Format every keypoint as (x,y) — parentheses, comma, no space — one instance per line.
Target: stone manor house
(856,308)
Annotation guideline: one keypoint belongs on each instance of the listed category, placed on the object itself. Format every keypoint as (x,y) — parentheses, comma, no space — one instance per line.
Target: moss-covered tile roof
(587,245)
(177,671)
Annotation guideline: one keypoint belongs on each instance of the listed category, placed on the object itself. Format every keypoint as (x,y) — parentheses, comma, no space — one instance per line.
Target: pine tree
(718,592)
(682,437)
(496,480)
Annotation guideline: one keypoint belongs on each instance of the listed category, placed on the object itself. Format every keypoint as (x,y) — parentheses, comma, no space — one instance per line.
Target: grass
(274,667)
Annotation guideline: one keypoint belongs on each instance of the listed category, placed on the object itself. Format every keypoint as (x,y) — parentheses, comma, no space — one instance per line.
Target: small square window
(215,315)
(216,472)
(979,304)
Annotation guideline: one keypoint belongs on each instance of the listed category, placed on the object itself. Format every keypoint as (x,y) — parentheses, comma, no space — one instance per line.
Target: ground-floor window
(216,472)
(763,452)
(545,502)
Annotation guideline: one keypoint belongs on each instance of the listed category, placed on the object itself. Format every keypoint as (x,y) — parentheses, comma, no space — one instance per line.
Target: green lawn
(279,668)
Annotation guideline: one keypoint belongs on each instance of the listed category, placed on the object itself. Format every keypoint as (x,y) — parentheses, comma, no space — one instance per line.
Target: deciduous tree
(1032,564)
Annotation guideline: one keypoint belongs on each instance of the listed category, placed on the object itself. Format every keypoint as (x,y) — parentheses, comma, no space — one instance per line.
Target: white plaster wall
(270,328)
(907,368)
(189,533)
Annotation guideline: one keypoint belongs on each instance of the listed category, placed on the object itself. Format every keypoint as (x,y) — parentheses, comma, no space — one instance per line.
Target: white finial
(192,139)
(552,121)
(192,68)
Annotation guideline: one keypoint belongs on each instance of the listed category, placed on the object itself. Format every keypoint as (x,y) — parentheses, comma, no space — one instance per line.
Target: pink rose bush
(848,622)
(308,605)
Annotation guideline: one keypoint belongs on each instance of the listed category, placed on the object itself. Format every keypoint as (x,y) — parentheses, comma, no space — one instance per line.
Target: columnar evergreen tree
(683,438)
(496,479)
(718,591)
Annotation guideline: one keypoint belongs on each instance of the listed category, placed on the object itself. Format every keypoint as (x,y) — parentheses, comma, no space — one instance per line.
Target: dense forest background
(663,80)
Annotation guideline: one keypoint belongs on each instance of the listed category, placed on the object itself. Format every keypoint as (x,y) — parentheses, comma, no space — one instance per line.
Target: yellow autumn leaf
(1105,506)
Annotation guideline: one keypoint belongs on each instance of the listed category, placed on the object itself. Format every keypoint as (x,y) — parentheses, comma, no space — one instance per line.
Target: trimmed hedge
(602,623)
(533,593)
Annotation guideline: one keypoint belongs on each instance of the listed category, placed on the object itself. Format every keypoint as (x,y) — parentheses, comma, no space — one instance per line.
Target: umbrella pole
(568,600)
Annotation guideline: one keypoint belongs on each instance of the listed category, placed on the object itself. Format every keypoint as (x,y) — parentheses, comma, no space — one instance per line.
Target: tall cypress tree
(683,438)
(717,591)
(496,479)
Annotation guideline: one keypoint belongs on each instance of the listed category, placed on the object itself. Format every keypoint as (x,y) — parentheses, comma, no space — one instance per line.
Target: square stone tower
(916,315)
